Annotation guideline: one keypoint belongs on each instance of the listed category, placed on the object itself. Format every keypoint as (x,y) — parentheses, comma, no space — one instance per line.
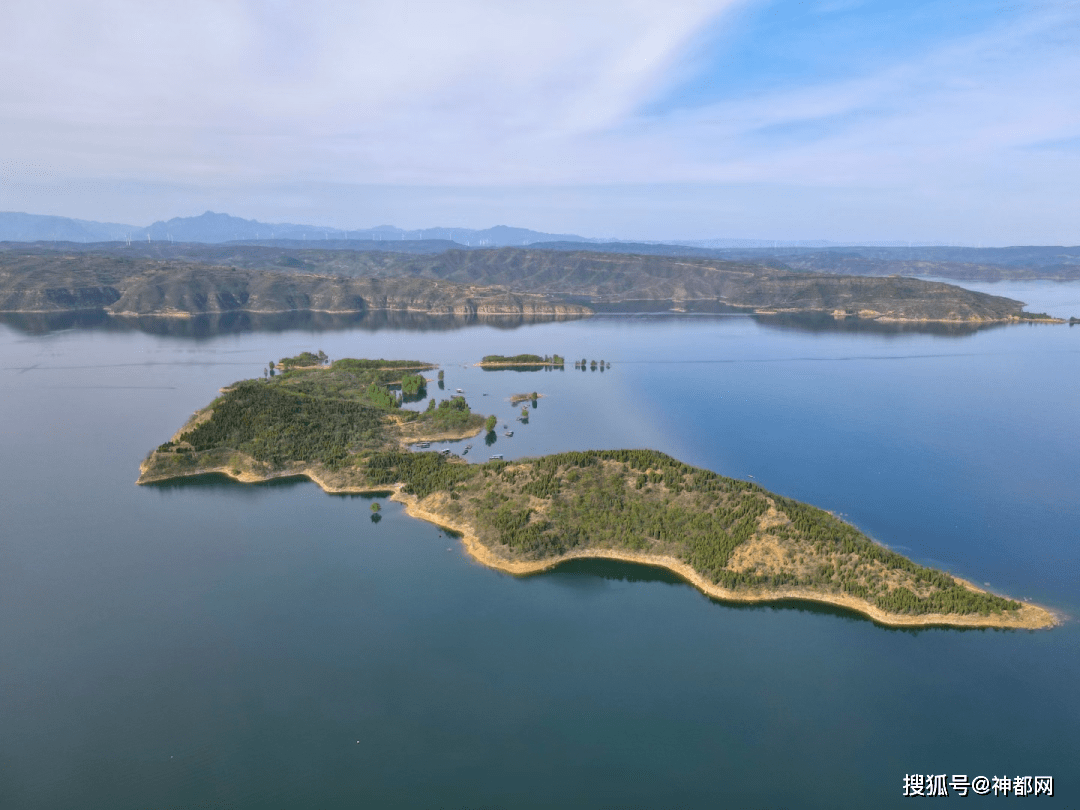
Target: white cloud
(378,91)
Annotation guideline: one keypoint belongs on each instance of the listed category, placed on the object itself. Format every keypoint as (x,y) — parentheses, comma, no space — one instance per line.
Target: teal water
(209,644)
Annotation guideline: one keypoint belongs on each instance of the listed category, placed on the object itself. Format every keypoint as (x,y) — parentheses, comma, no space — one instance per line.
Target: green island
(342,426)
(522,360)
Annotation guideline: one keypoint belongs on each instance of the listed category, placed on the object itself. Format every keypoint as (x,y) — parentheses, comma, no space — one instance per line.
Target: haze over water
(209,643)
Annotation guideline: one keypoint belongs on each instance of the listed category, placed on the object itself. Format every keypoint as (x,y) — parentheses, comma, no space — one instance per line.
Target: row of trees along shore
(591,364)
(524,359)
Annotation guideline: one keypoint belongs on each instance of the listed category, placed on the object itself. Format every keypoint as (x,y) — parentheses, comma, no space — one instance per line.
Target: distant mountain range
(18,227)
(215,228)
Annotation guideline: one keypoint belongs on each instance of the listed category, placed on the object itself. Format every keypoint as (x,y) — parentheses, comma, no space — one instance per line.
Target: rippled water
(213,644)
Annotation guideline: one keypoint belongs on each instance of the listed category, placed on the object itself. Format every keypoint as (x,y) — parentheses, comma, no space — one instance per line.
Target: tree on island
(375,507)
(489,425)
(413,386)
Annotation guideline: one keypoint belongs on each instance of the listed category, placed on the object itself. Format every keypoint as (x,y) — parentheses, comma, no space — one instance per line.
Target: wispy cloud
(968,103)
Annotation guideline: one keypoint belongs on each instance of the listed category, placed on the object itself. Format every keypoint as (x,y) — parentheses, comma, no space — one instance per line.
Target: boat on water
(509,433)
(468,447)
(425,445)
(445,452)
(458,390)
(496,457)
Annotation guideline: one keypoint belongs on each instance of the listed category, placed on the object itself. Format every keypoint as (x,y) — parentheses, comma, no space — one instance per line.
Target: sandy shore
(577,311)
(407,438)
(417,369)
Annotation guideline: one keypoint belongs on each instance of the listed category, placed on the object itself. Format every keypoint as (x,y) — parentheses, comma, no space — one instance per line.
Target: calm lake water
(214,645)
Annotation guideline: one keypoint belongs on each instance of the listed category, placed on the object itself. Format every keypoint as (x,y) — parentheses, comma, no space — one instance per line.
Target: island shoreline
(1029,616)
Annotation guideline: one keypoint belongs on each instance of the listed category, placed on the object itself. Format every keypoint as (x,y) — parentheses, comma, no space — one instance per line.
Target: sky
(849,120)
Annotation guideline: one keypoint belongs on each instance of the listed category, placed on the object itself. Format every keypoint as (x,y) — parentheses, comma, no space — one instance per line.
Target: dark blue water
(210,644)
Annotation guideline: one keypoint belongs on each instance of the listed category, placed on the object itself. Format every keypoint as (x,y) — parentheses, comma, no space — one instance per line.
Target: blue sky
(847,120)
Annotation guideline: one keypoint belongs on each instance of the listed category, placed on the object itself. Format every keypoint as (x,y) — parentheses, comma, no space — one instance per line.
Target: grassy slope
(733,533)
(327,419)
